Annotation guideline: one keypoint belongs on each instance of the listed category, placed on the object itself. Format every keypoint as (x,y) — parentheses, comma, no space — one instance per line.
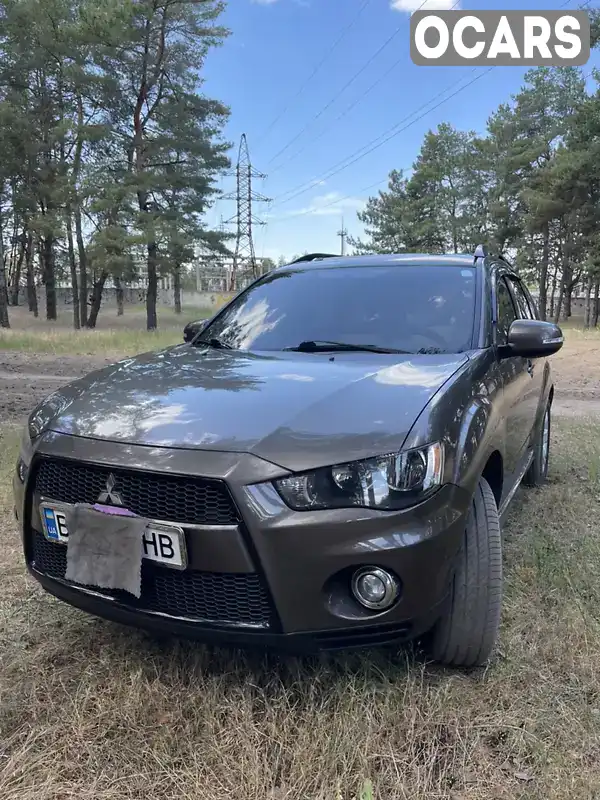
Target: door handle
(530,367)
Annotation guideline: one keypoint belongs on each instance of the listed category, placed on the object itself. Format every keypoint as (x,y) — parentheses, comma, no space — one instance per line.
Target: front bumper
(299,563)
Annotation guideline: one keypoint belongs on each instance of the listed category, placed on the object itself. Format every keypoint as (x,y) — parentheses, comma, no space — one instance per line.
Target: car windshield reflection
(425,309)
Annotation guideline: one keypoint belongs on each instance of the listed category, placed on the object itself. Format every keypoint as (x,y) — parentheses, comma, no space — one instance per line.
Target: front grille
(224,598)
(173,498)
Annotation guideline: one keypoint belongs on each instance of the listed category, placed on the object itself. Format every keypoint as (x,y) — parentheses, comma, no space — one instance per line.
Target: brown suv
(323,464)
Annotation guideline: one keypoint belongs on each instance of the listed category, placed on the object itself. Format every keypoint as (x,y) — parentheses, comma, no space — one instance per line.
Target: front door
(516,378)
(534,366)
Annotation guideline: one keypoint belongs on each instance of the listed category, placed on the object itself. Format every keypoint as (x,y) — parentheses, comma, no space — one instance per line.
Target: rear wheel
(537,473)
(466,634)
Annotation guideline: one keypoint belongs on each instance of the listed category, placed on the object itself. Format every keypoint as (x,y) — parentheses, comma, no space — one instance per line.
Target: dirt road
(27,378)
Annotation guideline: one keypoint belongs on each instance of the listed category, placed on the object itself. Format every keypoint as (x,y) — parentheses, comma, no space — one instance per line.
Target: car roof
(387,260)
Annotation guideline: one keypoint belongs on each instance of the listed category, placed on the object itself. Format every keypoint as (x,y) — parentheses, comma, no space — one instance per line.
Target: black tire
(466,634)
(537,474)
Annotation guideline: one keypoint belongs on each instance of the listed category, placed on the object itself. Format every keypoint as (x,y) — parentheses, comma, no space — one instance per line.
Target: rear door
(516,381)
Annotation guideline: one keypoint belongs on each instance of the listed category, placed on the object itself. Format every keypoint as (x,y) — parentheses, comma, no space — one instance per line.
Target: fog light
(22,470)
(374,588)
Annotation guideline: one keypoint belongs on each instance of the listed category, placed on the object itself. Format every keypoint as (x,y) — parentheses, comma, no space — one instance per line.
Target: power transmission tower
(244,256)
(342,234)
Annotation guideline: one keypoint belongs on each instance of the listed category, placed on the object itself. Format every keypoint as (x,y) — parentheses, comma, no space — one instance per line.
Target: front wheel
(466,634)
(537,474)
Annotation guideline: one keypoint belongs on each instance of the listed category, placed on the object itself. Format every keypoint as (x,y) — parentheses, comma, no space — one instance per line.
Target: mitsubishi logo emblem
(110,496)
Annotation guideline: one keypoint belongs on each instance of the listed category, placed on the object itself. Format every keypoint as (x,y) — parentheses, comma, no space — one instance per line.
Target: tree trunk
(5,295)
(151,76)
(16,243)
(566,275)
(83,288)
(73,266)
(96,300)
(543,281)
(151,319)
(31,292)
(559,303)
(596,306)
(49,277)
(587,311)
(83,284)
(18,268)
(177,288)
(550,314)
(4,321)
(568,296)
(119,293)
(454,225)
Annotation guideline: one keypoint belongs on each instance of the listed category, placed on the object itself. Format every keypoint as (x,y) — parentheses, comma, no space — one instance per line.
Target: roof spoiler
(312,257)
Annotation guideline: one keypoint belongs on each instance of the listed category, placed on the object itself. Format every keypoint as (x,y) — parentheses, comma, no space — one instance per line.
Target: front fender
(545,398)
(465,415)
(474,440)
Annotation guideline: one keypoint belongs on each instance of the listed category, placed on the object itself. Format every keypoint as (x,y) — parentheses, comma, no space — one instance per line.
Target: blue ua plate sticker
(55,524)
(51,526)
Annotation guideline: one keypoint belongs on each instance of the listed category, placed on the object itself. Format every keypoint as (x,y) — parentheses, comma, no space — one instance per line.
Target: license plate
(164,544)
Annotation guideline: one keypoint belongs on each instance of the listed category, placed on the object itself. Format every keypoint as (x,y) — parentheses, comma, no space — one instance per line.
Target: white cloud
(417,5)
(331,204)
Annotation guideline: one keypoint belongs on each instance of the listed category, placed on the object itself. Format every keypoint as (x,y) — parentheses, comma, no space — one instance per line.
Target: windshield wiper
(431,351)
(324,346)
(218,344)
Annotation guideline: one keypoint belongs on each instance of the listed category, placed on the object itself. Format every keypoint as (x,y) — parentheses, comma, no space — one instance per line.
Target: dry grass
(92,710)
(114,336)
(108,343)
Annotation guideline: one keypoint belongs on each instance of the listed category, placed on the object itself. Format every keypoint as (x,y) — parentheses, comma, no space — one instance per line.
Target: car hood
(296,410)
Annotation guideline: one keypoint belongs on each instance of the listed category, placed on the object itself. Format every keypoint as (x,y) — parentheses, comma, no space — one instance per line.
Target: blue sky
(300,129)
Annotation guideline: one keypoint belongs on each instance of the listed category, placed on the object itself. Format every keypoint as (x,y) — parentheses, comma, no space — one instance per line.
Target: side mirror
(532,338)
(192,329)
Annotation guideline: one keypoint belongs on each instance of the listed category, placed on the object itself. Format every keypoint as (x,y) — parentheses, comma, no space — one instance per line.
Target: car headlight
(32,431)
(388,482)
(25,454)
(39,417)
(45,411)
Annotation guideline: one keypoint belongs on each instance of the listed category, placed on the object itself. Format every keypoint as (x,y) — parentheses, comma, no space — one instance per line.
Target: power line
(386,136)
(337,199)
(349,83)
(338,118)
(337,42)
(374,144)
(403,170)
(349,108)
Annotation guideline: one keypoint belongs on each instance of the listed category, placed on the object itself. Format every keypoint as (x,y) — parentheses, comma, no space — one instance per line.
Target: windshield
(408,308)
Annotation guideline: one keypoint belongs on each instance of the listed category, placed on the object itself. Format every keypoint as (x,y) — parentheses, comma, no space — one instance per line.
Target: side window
(522,301)
(535,312)
(506,310)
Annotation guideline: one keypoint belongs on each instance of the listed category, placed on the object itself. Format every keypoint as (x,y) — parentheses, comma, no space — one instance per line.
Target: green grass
(93,711)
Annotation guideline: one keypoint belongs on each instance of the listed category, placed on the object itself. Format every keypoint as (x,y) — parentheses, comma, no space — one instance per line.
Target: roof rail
(481,251)
(312,257)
